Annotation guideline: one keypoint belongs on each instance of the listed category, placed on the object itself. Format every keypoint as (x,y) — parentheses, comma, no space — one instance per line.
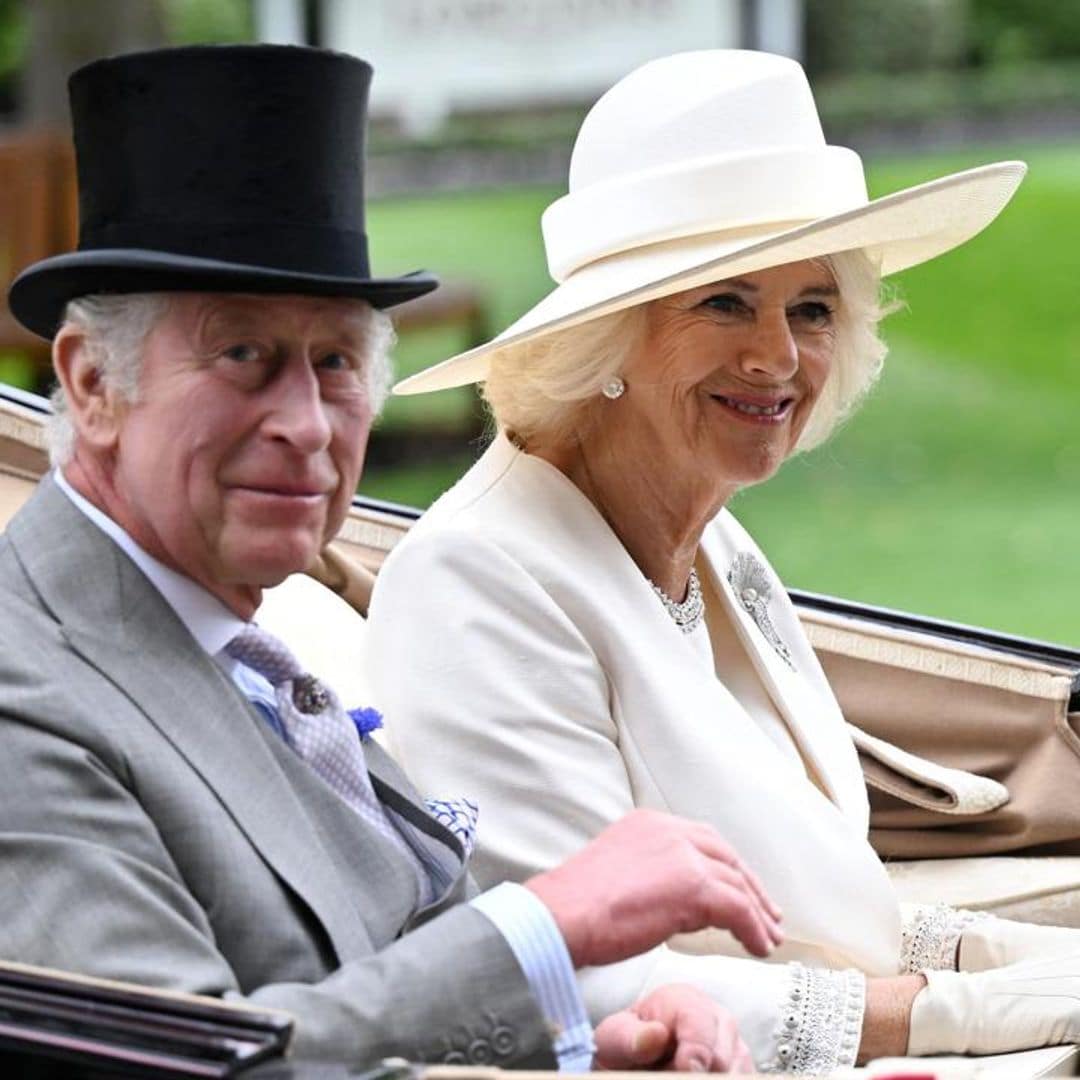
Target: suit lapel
(439,849)
(119,623)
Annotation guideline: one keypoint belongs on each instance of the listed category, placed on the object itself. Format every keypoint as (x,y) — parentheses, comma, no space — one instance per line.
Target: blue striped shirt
(533,936)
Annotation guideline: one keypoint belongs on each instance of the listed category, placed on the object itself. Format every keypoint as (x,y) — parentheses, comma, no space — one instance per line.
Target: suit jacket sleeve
(90,881)
(490,689)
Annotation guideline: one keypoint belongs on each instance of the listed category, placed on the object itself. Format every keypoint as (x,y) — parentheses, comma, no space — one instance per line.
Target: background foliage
(853,36)
(195,22)
(953,493)
(1011,30)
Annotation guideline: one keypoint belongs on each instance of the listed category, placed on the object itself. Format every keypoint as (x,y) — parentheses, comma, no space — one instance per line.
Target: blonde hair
(542,388)
(116,327)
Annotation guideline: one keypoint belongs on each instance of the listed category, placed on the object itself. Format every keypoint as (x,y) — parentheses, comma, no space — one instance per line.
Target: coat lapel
(802,696)
(798,689)
(117,621)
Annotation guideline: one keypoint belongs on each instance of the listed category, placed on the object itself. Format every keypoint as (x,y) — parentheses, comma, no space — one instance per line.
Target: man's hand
(650,876)
(674,1027)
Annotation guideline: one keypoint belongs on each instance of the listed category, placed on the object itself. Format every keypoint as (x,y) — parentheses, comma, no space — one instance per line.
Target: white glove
(1021,1007)
(993,942)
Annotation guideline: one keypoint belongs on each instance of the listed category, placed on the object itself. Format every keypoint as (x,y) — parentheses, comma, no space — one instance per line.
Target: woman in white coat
(579,627)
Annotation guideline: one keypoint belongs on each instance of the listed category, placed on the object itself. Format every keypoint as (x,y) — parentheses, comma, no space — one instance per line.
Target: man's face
(239,458)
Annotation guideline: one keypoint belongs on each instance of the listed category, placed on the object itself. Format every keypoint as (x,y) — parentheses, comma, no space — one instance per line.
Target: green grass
(1007,299)
(16,369)
(487,239)
(955,491)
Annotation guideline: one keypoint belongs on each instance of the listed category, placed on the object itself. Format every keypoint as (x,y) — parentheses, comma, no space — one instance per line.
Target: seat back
(23,458)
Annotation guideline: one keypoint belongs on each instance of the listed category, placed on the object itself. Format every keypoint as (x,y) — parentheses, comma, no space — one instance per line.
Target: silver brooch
(750,582)
(309,695)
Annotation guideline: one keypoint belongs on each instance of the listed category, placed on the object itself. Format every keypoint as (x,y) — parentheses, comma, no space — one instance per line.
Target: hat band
(298,249)
(748,190)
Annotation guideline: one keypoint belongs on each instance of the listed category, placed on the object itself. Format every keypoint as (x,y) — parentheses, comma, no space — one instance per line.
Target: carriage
(969,739)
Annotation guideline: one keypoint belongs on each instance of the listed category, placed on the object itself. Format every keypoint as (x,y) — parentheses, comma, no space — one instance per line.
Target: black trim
(973,635)
(1031,648)
(35,402)
(365,502)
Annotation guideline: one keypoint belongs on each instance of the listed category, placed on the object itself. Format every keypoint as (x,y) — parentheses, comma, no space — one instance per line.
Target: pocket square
(459,816)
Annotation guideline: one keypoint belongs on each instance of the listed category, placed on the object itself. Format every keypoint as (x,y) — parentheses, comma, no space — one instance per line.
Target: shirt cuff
(930,939)
(534,939)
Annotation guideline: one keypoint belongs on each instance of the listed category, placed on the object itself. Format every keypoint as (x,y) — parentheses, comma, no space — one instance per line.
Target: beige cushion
(1039,890)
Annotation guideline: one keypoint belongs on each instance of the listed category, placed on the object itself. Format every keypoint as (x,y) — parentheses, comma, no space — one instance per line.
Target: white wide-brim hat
(706,165)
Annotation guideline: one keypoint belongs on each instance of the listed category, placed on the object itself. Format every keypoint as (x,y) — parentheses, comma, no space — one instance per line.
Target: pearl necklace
(689,613)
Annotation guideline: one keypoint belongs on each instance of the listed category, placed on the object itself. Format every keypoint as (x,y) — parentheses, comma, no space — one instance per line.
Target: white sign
(432,57)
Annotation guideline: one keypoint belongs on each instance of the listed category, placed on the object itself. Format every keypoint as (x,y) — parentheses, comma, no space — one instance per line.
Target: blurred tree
(12,46)
(848,36)
(62,35)
(1012,30)
(41,41)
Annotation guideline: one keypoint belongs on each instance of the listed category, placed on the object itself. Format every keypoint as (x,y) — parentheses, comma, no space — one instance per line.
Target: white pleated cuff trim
(931,937)
(821,1023)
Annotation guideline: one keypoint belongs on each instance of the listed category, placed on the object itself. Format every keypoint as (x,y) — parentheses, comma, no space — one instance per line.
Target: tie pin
(309,695)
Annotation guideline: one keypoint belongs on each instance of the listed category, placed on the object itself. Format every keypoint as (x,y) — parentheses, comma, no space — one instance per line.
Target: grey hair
(116,327)
(544,387)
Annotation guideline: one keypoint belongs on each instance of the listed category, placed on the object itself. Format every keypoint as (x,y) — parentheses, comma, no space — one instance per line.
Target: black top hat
(217,169)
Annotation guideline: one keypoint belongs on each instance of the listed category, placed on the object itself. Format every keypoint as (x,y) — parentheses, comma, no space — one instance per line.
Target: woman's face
(724,377)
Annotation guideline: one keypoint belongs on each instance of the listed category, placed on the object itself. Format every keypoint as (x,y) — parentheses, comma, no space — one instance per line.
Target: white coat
(521,657)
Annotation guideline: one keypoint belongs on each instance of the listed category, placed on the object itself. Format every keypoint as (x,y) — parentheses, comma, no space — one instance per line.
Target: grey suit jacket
(152,828)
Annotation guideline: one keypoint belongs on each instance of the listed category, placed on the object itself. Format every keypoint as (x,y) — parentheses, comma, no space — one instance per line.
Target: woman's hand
(675,1027)
(1020,1007)
(993,942)
(647,877)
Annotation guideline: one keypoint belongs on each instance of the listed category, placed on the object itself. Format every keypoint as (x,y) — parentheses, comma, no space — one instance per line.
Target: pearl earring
(613,388)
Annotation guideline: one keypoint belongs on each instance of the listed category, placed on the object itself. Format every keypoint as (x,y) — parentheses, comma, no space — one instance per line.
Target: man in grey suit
(180,805)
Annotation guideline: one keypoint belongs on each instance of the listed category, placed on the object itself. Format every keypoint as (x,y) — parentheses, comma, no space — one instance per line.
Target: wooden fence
(38,218)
